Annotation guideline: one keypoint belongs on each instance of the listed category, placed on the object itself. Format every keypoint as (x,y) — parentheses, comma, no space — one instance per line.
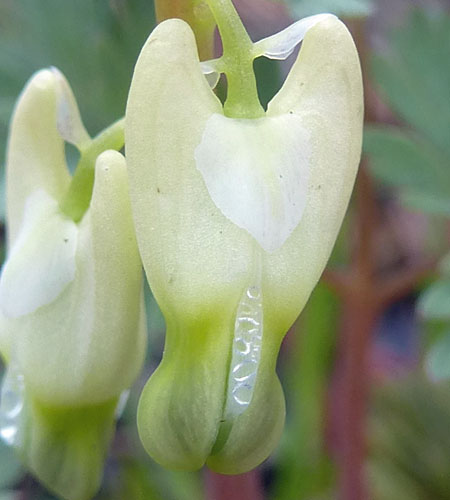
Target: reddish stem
(197,15)
(364,293)
(360,308)
(241,487)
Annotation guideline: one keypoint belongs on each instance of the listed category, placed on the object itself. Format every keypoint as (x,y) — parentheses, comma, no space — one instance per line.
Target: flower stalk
(199,17)
(78,196)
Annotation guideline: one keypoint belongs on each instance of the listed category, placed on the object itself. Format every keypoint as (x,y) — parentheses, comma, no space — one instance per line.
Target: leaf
(342,8)
(268,78)
(444,265)
(34,35)
(427,202)
(438,359)
(9,495)
(409,438)
(405,160)
(414,75)
(2,196)
(134,482)
(434,303)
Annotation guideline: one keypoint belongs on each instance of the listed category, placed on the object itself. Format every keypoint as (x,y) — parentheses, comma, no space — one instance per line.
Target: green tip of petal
(64,448)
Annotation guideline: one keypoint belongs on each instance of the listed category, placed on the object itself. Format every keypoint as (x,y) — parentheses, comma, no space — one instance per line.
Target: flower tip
(170,26)
(43,79)
(109,160)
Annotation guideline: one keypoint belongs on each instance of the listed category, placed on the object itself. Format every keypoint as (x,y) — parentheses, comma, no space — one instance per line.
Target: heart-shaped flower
(236,212)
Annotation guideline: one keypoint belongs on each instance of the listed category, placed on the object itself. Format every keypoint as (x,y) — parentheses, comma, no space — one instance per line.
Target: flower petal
(93,336)
(42,261)
(36,156)
(57,444)
(212,70)
(256,172)
(68,119)
(282,44)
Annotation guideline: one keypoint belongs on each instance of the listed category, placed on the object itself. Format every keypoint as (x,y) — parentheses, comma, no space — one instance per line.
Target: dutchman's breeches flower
(72,324)
(236,213)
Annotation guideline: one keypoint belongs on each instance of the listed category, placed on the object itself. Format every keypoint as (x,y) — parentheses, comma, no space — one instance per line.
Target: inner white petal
(68,117)
(212,70)
(282,44)
(42,261)
(256,172)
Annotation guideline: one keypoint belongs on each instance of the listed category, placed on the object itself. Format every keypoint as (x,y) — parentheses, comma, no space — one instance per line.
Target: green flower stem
(242,99)
(78,197)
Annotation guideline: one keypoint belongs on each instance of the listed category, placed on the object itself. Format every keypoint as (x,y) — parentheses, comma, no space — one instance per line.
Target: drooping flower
(236,212)
(72,324)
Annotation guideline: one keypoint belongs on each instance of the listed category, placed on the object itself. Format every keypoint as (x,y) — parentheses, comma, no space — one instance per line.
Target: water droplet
(243,346)
(12,397)
(246,351)
(242,394)
(244,370)
(122,403)
(254,292)
(246,323)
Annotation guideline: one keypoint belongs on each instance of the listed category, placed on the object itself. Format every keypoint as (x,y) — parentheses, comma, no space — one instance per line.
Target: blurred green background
(368,397)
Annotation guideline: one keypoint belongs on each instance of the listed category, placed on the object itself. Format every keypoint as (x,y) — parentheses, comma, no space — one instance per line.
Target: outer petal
(195,259)
(35,157)
(91,337)
(325,89)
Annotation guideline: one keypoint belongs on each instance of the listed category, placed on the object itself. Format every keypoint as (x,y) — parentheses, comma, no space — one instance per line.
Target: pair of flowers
(235,211)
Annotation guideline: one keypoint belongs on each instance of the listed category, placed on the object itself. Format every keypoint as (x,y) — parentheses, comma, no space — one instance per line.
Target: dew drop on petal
(12,403)
(246,351)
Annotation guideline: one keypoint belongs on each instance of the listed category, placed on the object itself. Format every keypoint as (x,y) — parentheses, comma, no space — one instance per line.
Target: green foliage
(8,495)
(342,8)
(437,362)
(2,197)
(268,78)
(304,471)
(410,442)
(435,301)
(95,44)
(415,79)
(410,163)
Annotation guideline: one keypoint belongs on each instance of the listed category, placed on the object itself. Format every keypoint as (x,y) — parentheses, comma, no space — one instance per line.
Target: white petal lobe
(68,117)
(42,260)
(256,172)
(212,70)
(282,44)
